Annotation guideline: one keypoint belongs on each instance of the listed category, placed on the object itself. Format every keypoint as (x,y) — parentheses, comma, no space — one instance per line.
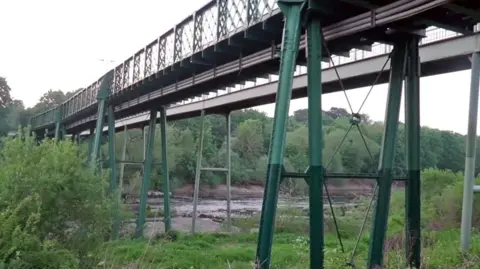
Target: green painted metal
(146,174)
(102,96)
(375,256)
(165,175)
(58,124)
(315,139)
(198,171)
(98,134)
(253,11)
(412,122)
(90,143)
(63,130)
(229,177)
(291,38)
(469,177)
(113,170)
(222,16)
(122,164)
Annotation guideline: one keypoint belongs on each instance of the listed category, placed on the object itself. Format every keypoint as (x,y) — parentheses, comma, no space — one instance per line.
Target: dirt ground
(352,189)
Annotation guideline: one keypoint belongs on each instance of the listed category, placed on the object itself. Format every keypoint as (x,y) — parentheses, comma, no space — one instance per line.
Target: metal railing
(87,97)
(212,23)
(433,34)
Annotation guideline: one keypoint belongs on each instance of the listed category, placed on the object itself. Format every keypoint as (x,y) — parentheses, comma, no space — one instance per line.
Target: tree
(51,99)
(301,116)
(249,142)
(5,98)
(48,199)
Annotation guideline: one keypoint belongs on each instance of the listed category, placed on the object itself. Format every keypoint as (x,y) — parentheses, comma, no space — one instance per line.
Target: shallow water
(218,208)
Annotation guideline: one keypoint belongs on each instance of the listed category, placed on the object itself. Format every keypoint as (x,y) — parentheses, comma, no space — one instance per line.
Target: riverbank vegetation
(441,214)
(251,132)
(250,143)
(55,213)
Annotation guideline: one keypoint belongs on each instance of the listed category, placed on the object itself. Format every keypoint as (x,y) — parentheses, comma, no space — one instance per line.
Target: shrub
(53,209)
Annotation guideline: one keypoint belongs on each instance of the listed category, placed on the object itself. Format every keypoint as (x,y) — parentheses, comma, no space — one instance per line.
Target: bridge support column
(122,164)
(412,122)
(469,181)
(199,170)
(229,177)
(102,99)
(377,238)
(146,174)
(315,137)
(90,143)
(165,175)
(112,163)
(97,138)
(291,38)
(58,125)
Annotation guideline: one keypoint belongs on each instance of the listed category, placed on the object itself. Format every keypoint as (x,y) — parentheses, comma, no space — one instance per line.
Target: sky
(66,45)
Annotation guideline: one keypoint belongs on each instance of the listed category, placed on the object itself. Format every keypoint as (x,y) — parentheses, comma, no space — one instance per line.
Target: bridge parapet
(189,43)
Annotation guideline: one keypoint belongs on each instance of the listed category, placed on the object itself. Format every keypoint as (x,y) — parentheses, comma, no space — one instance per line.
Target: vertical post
(63,131)
(146,174)
(375,257)
(291,38)
(469,179)
(412,123)
(111,149)
(315,139)
(90,143)
(197,172)
(122,165)
(98,133)
(144,134)
(113,170)
(102,99)
(58,127)
(229,175)
(165,175)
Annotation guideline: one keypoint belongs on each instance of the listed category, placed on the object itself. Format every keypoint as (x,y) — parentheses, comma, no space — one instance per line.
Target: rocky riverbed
(211,214)
(212,205)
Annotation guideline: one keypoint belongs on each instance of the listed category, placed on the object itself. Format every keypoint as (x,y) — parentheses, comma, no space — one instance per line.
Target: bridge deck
(436,58)
(208,49)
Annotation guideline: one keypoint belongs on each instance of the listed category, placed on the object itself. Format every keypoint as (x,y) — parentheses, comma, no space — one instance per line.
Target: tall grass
(441,212)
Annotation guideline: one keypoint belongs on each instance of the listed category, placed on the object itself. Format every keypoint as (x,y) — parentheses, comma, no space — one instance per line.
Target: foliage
(5,98)
(53,210)
(440,204)
(250,143)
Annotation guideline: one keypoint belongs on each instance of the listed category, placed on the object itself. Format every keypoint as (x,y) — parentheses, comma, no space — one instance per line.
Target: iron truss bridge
(232,41)
(441,51)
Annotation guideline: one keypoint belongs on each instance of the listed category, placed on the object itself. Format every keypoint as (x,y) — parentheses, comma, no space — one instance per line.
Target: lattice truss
(204,28)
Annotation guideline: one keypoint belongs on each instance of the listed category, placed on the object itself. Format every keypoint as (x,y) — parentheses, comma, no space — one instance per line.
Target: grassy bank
(441,211)
(290,250)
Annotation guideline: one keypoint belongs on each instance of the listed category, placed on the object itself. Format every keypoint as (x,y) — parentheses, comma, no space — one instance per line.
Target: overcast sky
(66,45)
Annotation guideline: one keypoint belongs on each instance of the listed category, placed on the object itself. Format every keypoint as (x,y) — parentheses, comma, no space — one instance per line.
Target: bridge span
(230,42)
(449,53)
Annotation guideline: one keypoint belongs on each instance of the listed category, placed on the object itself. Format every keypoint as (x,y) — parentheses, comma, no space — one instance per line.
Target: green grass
(441,213)
(290,250)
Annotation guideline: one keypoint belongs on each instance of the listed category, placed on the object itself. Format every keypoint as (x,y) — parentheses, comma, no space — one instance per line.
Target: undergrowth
(55,213)
(441,214)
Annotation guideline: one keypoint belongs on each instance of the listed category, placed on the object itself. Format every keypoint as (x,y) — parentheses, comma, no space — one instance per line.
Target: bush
(53,209)
(443,199)
(441,202)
